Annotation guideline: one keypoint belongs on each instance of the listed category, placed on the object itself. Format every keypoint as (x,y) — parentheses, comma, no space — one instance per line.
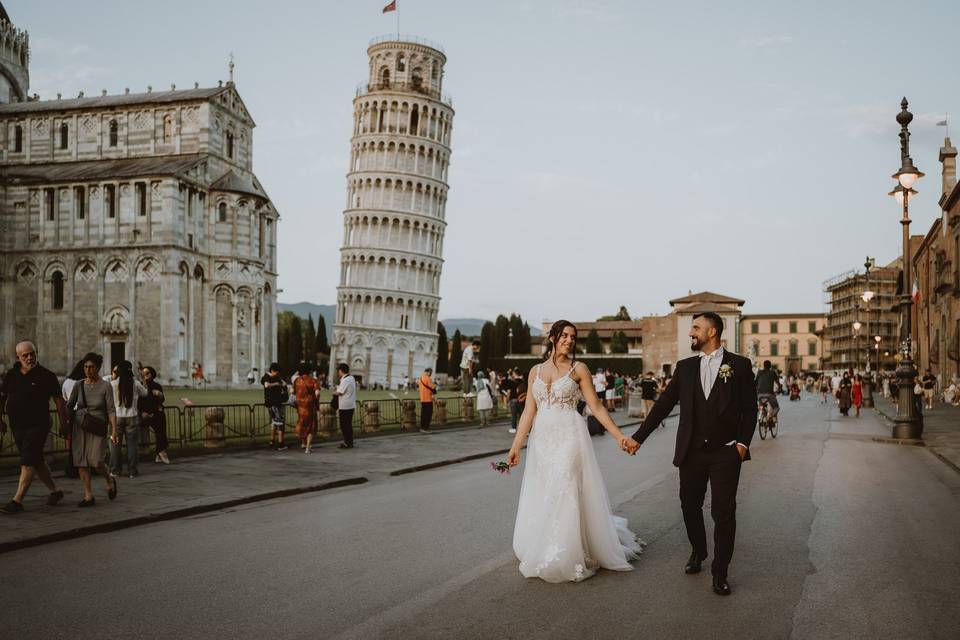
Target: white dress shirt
(709,370)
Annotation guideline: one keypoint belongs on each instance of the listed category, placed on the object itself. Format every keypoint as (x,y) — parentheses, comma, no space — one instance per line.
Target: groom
(718,414)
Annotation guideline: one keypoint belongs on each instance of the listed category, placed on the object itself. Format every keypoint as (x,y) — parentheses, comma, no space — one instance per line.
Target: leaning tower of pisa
(395,216)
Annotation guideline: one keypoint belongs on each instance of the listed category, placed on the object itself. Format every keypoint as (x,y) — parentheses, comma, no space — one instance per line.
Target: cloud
(759,42)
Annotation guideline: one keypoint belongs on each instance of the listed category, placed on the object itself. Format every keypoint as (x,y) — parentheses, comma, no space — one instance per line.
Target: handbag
(88,422)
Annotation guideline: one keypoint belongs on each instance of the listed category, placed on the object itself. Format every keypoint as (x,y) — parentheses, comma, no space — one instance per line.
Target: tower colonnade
(395,215)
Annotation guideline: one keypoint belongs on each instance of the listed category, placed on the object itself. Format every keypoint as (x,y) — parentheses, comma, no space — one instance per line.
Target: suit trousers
(346,425)
(721,468)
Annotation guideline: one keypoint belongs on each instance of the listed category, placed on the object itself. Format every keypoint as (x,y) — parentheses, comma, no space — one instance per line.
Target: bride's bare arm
(525,423)
(581,375)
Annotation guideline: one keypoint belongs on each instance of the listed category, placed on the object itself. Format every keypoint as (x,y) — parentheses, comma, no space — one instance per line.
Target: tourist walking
(275,396)
(515,399)
(346,393)
(427,391)
(824,388)
(126,394)
(308,396)
(856,393)
(609,390)
(94,416)
(929,383)
(152,416)
(468,365)
(484,398)
(25,398)
(75,375)
(845,390)
(648,392)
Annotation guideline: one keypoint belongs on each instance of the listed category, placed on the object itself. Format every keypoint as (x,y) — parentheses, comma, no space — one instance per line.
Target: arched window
(230,145)
(222,212)
(401,63)
(416,78)
(433,71)
(57,285)
(18,139)
(64,135)
(168,130)
(385,77)
(414,120)
(114,128)
(182,341)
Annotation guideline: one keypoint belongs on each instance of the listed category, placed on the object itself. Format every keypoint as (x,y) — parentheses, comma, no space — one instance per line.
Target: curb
(128,523)
(917,443)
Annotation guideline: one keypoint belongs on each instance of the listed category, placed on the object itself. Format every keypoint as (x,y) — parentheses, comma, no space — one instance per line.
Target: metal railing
(423,88)
(401,38)
(246,424)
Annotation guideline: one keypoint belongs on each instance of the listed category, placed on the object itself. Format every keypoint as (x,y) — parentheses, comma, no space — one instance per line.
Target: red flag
(390,7)
(916,292)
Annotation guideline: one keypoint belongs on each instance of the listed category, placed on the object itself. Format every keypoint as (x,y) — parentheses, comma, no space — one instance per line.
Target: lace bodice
(563,392)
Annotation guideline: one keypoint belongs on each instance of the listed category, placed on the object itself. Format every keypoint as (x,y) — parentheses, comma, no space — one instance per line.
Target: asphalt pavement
(840,535)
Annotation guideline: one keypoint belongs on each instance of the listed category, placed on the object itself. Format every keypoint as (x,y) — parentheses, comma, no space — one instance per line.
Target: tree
(593,342)
(622,314)
(501,336)
(443,349)
(309,340)
(322,345)
(487,339)
(289,341)
(619,343)
(456,354)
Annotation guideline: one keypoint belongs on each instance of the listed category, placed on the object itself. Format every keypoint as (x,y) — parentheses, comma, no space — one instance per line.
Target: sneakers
(282,447)
(512,430)
(163,457)
(12,507)
(55,497)
(86,503)
(344,445)
(307,450)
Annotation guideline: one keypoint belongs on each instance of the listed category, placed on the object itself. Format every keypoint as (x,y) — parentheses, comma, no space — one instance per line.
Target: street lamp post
(868,378)
(857,325)
(909,423)
(510,335)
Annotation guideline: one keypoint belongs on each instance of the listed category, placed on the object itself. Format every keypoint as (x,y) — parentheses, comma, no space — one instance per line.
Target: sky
(603,153)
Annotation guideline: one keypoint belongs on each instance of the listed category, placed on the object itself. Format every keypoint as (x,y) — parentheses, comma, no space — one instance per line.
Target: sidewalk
(216,481)
(941,428)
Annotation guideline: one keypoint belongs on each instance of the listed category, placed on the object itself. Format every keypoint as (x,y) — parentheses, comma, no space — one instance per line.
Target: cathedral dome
(14,58)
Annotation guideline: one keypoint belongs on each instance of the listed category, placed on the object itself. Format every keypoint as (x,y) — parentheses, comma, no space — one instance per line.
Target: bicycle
(766,421)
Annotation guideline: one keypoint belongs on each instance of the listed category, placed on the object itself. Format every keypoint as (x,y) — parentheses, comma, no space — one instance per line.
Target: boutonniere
(726,372)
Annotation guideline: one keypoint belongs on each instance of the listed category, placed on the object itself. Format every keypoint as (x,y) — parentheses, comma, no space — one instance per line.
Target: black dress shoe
(720,586)
(694,563)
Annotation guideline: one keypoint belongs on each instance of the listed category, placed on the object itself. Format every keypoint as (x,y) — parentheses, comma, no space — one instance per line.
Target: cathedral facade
(395,216)
(132,225)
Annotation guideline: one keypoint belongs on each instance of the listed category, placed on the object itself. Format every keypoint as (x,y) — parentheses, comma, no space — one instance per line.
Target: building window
(222,212)
(79,196)
(754,327)
(773,327)
(50,204)
(141,189)
(230,145)
(18,139)
(794,348)
(793,327)
(811,348)
(64,135)
(401,63)
(774,348)
(111,196)
(57,285)
(168,129)
(190,240)
(114,129)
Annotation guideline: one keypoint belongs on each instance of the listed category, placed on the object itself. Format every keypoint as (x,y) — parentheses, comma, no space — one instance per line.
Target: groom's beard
(696,345)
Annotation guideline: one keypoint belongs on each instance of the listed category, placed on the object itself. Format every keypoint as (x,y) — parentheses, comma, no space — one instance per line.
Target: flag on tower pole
(390,7)
(916,291)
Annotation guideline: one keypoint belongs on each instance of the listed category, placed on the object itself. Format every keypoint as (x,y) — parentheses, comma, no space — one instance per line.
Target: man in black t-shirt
(610,393)
(929,384)
(275,395)
(26,393)
(767,382)
(648,392)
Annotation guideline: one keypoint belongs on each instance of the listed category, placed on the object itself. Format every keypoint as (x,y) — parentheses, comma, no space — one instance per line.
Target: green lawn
(175,396)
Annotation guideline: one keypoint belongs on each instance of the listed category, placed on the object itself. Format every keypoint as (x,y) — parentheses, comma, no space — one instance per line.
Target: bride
(565,529)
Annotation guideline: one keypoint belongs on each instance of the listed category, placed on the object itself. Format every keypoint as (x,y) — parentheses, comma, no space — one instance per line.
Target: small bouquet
(501,466)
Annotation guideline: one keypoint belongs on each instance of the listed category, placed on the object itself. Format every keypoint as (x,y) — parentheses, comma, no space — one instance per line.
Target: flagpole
(397,11)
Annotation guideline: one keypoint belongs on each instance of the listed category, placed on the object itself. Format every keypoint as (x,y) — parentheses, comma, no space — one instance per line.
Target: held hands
(629,445)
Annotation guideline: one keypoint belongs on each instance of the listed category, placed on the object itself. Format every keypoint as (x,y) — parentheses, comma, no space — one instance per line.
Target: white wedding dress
(565,529)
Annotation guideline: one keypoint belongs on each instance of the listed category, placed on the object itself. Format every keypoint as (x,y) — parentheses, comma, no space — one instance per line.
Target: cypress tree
(593,342)
(456,353)
(443,349)
(309,340)
(323,346)
(487,339)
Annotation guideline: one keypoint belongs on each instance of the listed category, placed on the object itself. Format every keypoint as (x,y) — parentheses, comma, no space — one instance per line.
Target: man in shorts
(275,395)
(929,384)
(25,398)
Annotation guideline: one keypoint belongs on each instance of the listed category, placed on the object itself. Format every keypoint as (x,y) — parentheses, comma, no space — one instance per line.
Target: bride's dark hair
(556,330)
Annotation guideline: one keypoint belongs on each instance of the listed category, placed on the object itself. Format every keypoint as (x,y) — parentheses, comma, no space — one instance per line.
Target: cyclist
(767,383)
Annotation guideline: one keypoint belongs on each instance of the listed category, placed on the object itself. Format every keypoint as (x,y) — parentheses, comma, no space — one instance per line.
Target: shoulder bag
(88,422)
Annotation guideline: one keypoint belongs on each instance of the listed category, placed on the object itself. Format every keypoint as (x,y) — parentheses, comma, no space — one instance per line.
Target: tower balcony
(396,86)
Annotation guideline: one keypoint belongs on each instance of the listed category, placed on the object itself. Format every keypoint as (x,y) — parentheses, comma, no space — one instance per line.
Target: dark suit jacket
(732,403)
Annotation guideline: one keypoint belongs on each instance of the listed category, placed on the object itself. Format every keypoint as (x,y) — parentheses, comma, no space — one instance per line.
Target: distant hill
(302,309)
(467,326)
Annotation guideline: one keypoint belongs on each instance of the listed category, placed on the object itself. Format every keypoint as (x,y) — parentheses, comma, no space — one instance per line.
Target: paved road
(838,537)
